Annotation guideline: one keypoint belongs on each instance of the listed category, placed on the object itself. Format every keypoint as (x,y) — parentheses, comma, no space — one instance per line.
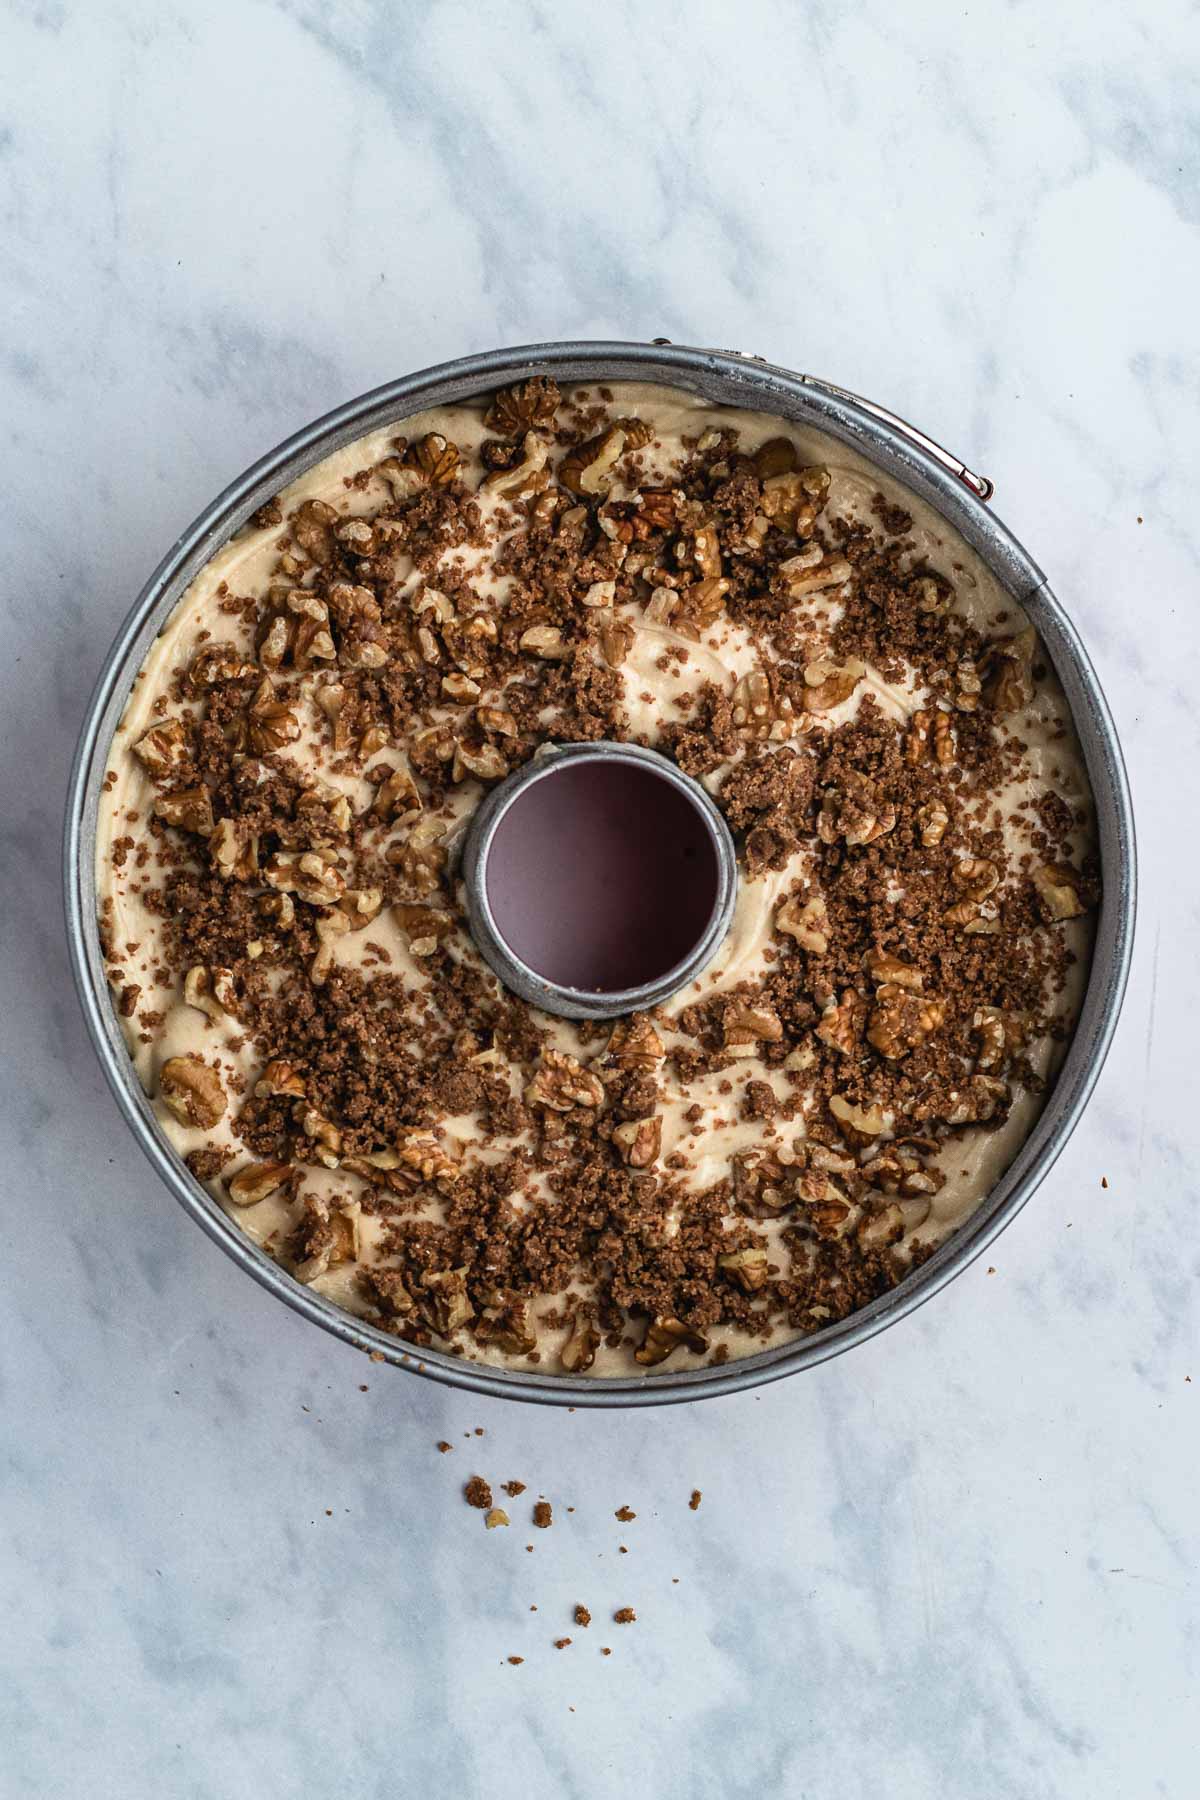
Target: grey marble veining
(960,1560)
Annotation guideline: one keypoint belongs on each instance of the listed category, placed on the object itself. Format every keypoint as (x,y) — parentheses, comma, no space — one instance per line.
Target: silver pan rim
(726,377)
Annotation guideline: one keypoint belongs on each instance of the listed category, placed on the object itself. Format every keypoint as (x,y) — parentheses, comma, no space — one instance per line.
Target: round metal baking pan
(725,378)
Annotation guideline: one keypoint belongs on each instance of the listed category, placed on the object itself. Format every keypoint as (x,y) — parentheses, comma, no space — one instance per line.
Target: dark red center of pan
(601,876)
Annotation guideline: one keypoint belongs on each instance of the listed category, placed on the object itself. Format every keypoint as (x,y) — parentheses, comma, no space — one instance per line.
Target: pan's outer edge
(726,378)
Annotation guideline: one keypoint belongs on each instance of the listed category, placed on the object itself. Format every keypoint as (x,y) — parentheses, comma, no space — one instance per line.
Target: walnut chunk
(1007,670)
(589,469)
(579,1351)
(1059,891)
(561,1082)
(192,1091)
(664,1336)
(257,1181)
(279,1080)
(793,499)
(639,1141)
(805,920)
(829,684)
(749,1268)
(188,810)
(526,406)
(634,1043)
(163,748)
(523,478)
(546,641)
(882,967)
(838,1026)
(901,1020)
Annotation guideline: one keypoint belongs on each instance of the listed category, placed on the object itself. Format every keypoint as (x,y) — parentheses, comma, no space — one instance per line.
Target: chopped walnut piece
(989,1025)
(311,527)
(211,991)
(526,406)
(217,663)
(634,1043)
(855,813)
(666,1335)
(615,638)
(483,761)
(425,927)
(436,457)
(272,723)
(829,684)
(776,457)
(256,1181)
(639,1141)
(839,1023)
(860,1123)
(901,1020)
(193,1091)
(188,810)
(163,747)
(561,1082)
(933,818)
(546,641)
(760,713)
(1007,670)
(589,469)
(883,967)
(313,874)
(793,499)
(396,796)
(525,477)
(752,1025)
(446,1305)
(805,920)
(881,1228)
(234,852)
(328,1236)
(1059,890)
(749,1268)
(497,1516)
(280,1080)
(579,1352)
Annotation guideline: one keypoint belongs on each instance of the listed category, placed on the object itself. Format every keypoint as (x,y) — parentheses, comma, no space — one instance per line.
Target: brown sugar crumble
(477,1493)
(291,804)
(625,1514)
(543,1515)
(695,1500)
(443,1446)
(625,1616)
(582,1616)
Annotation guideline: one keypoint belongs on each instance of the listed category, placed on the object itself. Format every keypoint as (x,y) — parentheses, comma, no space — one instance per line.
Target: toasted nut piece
(193,1091)
(256,1181)
(589,469)
(793,499)
(527,406)
(979,1100)
(357,536)
(330,926)
(813,573)
(436,457)
(313,874)
(600,593)
(776,457)
(329,1236)
(498,720)
(639,1141)
(749,1268)
(426,926)
(858,1121)
(209,991)
(882,966)
(583,1340)
(504,1322)
(829,684)
(216,663)
(666,1335)
(615,638)
(1007,668)
(396,795)
(829,1218)
(279,1080)
(839,1023)
(497,1516)
(900,1020)
(525,477)
(446,1305)
(188,810)
(933,819)
(634,1043)
(1059,891)
(163,748)
(545,641)
(933,594)
(280,909)
(752,1025)
(483,761)
(561,1082)
(424,1160)
(311,526)
(805,920)
(855,813)
(976,876)
(461,688)
(272,724)
(988,1025)
(656,511)
(760,713)
(323,1131)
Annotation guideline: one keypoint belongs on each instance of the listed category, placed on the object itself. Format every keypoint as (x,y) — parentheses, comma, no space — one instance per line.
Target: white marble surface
(961,1560)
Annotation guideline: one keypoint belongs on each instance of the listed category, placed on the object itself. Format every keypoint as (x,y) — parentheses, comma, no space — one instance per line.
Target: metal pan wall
(727,379)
